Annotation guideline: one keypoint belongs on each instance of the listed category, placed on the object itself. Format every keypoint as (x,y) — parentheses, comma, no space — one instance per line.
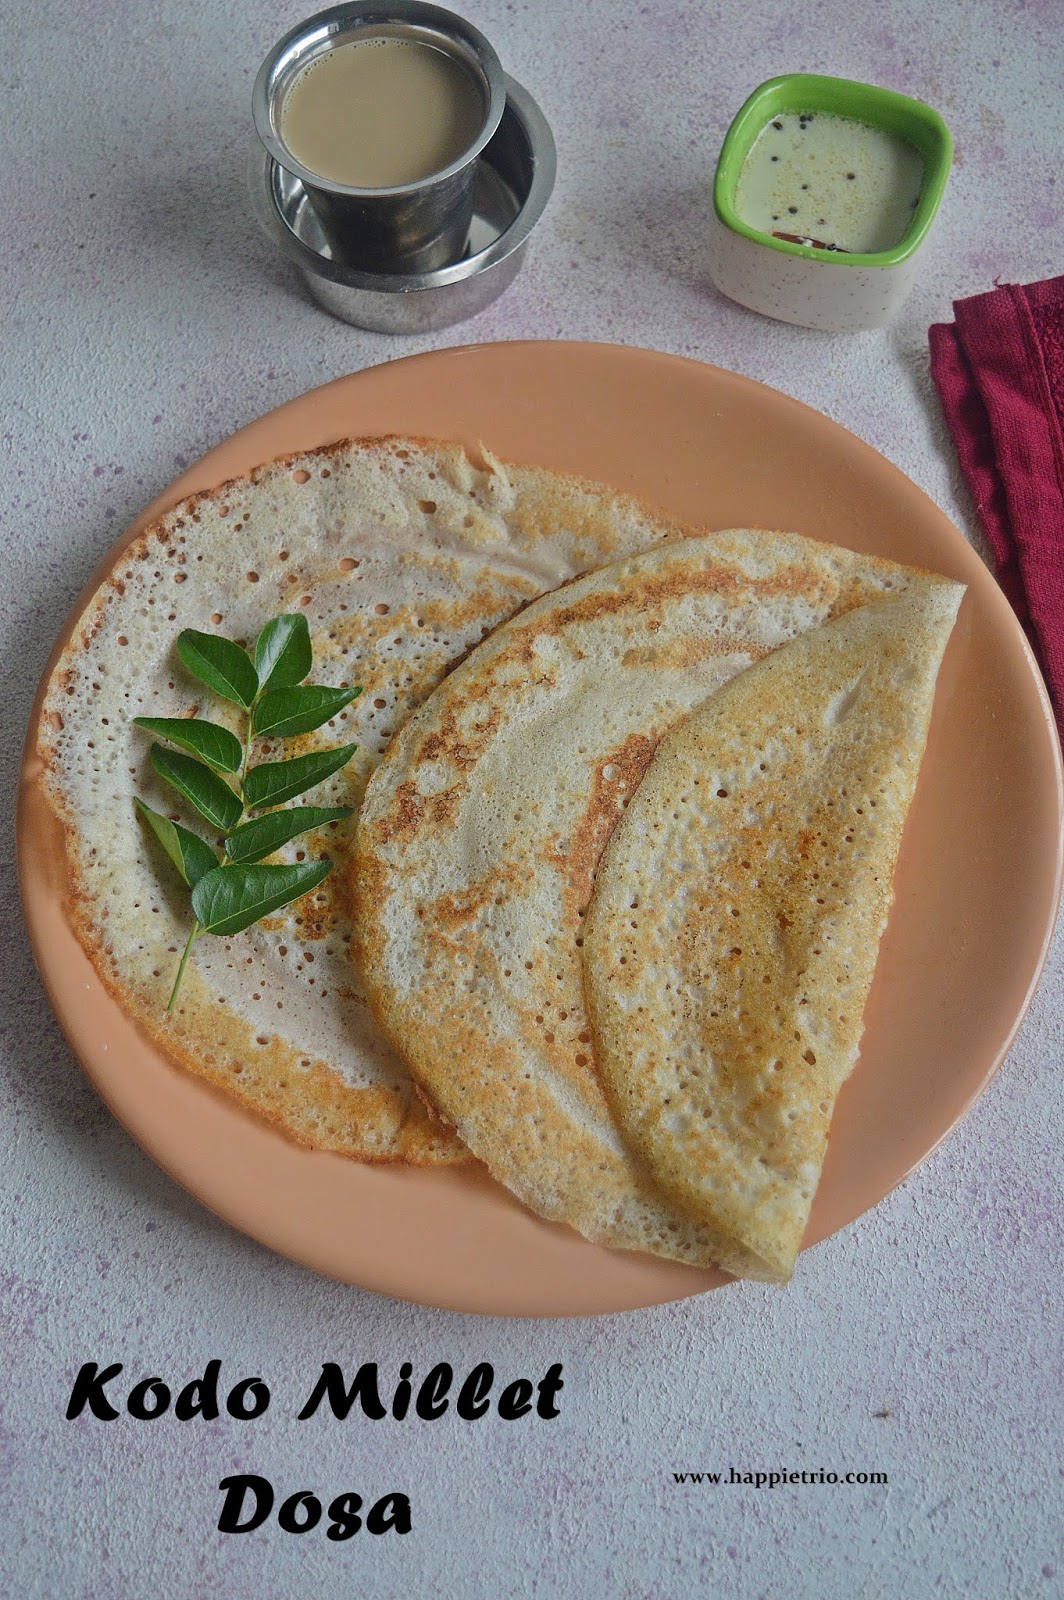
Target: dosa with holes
(402,554)
(737,913)
(482,828)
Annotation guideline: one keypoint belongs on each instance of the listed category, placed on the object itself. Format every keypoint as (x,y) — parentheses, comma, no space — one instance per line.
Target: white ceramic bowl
(794,279)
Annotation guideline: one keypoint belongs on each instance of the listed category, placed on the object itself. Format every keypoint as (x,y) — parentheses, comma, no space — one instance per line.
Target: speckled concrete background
(145,319)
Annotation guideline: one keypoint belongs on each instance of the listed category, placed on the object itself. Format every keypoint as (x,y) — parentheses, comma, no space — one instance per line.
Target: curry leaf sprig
(212,769)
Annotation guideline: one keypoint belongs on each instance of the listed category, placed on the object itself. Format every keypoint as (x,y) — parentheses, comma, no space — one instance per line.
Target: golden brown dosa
(737,914)
(482,828)
(402,555)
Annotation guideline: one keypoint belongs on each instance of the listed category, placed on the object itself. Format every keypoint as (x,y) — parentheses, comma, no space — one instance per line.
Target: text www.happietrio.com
(772,1480)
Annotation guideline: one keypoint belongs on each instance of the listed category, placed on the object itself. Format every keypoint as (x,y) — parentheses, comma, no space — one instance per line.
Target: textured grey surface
(144,320)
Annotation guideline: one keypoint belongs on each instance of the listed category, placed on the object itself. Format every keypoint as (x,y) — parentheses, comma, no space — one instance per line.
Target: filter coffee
(378,112)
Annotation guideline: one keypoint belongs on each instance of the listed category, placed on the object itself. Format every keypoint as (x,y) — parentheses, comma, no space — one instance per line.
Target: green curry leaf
(202,788)
(220,664)
(252,841)
(189,853)
(231,898)
(271,783)
(209,741)
(232,894)
(283,654)
(282,713)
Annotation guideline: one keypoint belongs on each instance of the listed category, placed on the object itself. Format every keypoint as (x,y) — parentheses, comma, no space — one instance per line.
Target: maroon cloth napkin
(999,371)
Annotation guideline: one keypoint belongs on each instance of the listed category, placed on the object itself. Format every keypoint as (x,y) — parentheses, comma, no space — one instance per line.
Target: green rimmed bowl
(802,282)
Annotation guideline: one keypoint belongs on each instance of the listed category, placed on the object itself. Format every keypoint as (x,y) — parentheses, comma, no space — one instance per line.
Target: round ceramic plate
(976,889)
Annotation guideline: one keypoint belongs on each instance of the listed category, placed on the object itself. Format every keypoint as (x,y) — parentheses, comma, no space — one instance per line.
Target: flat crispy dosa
(482,827)
(402,554)
(737,913)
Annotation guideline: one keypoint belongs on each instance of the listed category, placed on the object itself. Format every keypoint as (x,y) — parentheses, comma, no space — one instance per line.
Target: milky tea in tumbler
(380,112)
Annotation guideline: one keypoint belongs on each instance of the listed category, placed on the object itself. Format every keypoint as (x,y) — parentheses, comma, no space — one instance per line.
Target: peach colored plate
(977,884)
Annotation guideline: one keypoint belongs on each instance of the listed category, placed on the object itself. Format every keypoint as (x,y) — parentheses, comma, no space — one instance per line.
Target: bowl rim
(898,113)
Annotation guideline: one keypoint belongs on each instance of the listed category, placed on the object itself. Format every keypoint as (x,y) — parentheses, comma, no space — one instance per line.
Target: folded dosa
(402,554)
(737,913)
(482,827)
